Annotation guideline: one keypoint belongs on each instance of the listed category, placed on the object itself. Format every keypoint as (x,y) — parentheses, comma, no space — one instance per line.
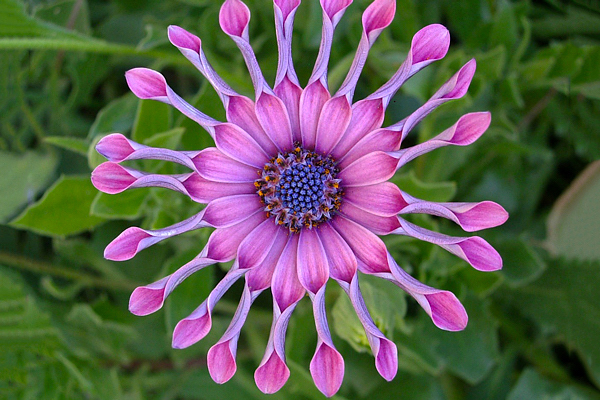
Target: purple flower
(297,190)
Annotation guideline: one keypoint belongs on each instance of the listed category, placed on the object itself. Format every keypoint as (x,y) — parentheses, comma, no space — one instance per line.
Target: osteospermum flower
(297,190)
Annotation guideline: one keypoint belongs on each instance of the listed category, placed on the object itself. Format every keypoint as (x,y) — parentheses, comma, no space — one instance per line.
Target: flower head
(297,190)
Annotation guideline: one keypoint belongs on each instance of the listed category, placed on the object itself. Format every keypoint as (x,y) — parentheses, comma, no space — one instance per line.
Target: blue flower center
(299,189)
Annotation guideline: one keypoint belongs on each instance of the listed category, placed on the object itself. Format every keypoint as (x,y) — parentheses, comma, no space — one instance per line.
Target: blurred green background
(534,328)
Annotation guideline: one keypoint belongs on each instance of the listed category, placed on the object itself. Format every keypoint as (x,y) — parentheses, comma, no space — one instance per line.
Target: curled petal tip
(333,7)
(470,127)
(480,254)
(221,362)
(183,39)
(286,6)
(386,359)
(126,245)
(430,43)
(272,375)
(447,312)
(378,15)
(234,17)
(327,369)
(145,300)
(146,83)
(111,178)
(189,331)
(484,215)
(115,147)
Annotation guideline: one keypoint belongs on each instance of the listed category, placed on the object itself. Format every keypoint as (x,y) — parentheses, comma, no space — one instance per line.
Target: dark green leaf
(532,385)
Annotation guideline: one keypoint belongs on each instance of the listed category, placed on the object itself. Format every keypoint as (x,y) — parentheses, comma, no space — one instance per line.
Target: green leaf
(438,191)
(521,264)
(479,341)
(532,385)
(117,116)
(151,117)
(574,223)
(79,146)
(432,347)
(63,210)
(565,303)
(24,177)
(126,205)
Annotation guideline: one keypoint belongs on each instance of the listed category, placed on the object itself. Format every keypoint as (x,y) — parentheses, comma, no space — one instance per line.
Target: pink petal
(260,277)
(221,362)
(234,17)
(240,146)
(383,199)
(272,374)
(373,168)
(380,225)
(378,140)
(386,359)
(327,369)
(224,242)
(341,259)
(240,111)
(203,190)
(367,247)
(273,117)
(112,178)
(214,165)
(286,287)
(377,16)
(290,94)
(313,270)
(312,100)
(255,247)
(367,115)
(333,121)
(227,211)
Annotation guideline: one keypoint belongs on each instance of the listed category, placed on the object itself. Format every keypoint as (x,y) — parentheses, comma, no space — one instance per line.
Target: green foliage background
(65,332)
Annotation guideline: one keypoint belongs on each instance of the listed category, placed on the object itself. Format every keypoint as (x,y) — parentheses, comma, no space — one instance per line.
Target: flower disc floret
(299,188)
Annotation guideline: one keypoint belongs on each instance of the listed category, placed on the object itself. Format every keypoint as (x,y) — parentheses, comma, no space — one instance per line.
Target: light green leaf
(151,117)
(24,177)
(574,222)
(565,302)
(438,191)
(126,205)
(386,303)
(117,116)
(521,264)
(79,146)
(532,385)
(63,210)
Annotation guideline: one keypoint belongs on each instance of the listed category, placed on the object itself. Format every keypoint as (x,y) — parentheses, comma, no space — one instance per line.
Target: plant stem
(42,268)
